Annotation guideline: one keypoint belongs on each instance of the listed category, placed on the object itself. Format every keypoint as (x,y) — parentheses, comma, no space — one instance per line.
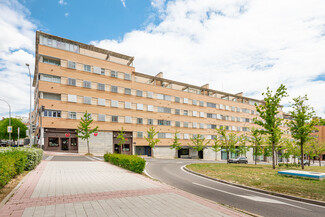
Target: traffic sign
(9,129)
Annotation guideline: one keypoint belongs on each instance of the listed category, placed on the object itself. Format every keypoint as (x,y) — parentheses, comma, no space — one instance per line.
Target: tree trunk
(88,146)
(302,155)
(255,155)
(308,160)
(227,156)
(273,162)
(320,164)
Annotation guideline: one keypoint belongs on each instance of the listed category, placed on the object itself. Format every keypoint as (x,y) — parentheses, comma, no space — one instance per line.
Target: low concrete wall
(98,145)
(164,152)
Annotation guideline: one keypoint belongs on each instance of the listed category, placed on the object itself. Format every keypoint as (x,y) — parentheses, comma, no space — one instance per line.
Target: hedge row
(129,162)
(14,161)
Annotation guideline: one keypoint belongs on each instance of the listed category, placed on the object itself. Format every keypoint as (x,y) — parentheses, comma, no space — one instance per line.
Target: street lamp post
(9,115)
(30,106)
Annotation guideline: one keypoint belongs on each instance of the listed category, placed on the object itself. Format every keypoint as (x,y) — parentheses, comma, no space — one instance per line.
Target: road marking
(256,192)
(49,158)
(250,197)
(89,158)
(98,158)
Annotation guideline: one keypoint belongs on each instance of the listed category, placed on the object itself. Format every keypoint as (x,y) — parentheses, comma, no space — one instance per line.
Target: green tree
(302,122)
(176,144)
(121,137)
(84,131)
(216,145)
(256,141)
(227,141)
(268,112)
(15,123)
(199,142)
(319,149)
(309,149)
(152,141)
(242,148)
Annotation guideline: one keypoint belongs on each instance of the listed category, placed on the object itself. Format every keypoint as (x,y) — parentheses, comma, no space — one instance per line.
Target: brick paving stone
(90,189)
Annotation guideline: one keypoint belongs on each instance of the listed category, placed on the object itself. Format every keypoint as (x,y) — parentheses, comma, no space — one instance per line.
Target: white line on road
(98,158)
(256,192)
(49,158)
(89,158)
(250,197)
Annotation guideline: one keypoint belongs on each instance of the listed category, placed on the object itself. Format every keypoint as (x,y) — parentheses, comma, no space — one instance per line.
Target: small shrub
(14,161)
(129,162)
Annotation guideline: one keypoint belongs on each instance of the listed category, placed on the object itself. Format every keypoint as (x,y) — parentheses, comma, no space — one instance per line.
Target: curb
(315,202)
(13,191)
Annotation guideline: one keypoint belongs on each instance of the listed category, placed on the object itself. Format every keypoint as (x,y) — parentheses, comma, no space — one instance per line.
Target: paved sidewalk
(97,188)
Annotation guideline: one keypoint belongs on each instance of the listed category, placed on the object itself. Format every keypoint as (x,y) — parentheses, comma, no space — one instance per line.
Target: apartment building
(72,78)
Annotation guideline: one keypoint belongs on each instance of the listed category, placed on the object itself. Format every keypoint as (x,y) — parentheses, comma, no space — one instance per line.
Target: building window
(55,62)
(127,91)
(164,97)
(128,119)
(53,142)
(127,77)
(52,96)
(194,125)
(114,103)
(101,101)
(186,112)
(102,71)
(177,111)
(221,106)
(72,81)
(238,109)
(127,105)
(50,78)
(177,124)
(202,126)
(101,117)
(211,105)
(233,109)
(201,114)
(114,74)
(201,103)
(150,108)
(114,89)
(186,136)
(164,110)
(150,94)
(87,100)
(139,93)
(114,118)
(72,115)
(87,68)
(185,100)
(161,135)
(164,122)
(139,106)
(194,102)
(177,99)
(194,113)
(185,124)
(140,134)
(150,121)
(139,120)
(71,65)
(72,98)
(52,113)
(87,84)
(101,86)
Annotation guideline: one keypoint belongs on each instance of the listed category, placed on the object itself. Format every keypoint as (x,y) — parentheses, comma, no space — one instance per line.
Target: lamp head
(27,64)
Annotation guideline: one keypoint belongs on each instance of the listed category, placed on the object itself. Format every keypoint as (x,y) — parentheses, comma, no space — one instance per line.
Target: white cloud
(62,2)
(66,14)
(16,49)
(235,45)
(123,3)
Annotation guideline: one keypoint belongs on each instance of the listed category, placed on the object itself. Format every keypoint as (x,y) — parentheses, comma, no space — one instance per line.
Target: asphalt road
(171,172)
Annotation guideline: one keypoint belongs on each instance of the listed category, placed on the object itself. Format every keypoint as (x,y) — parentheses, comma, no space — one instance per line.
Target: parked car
(238,160)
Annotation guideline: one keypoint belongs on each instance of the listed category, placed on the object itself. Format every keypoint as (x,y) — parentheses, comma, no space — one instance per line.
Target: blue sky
(87,21)
(234,45)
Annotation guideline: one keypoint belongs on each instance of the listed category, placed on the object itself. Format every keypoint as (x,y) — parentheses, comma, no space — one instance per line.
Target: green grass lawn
(264,177)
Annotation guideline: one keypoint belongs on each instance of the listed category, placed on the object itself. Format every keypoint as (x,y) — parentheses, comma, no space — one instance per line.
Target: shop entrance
(65,144)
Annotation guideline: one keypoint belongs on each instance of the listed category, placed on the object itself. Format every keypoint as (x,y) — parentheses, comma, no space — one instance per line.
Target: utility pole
(30,107)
